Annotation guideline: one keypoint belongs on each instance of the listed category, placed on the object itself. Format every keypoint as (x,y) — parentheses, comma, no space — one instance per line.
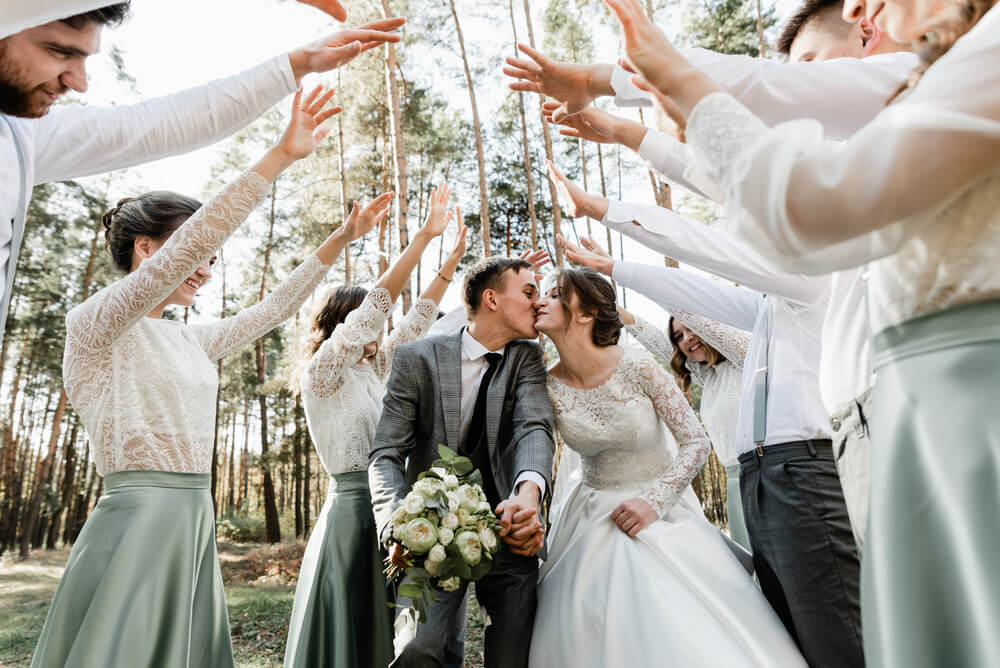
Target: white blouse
(144,387)
(342,398)
(916,191)
(720,396)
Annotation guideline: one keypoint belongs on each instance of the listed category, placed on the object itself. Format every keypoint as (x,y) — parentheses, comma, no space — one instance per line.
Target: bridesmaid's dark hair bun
(156,215)
(597,297)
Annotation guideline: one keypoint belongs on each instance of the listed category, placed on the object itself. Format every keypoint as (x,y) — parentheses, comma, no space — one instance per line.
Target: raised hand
(591,124)
(331,7)
(574,86)
(361,221)
(304,133)
(458,250)
(651,54)
(337,49)
(600,263)
(537,259)
(633,516)
(590,244)
(664,102)
(574,199)
(438,216)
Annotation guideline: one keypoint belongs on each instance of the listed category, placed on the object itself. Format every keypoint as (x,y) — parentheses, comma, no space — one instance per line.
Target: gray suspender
(17,231)
(760,386)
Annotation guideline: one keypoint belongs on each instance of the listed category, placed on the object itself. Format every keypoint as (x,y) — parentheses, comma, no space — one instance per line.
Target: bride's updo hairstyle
(595,297)
(155,215)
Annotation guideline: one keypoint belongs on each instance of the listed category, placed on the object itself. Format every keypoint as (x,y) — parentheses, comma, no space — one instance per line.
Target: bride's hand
(304,133)
(633,516)
(600,263)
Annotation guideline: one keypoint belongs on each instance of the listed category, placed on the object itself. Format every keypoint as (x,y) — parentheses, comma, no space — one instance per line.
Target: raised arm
(691,242)
(99,321)
(692,449)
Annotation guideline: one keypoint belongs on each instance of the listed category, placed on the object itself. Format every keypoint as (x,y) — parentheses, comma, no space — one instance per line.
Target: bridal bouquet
(448,529)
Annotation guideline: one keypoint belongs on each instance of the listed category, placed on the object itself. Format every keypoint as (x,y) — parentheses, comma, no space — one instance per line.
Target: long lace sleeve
(413,327)
(692,443)
(222,337)
(732,342)
(99,321)
(324,375)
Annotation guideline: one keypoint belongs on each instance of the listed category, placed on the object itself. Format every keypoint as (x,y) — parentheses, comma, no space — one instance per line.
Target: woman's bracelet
(441,276)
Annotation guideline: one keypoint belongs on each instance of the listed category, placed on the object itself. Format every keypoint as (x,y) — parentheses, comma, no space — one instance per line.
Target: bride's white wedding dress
(672,596)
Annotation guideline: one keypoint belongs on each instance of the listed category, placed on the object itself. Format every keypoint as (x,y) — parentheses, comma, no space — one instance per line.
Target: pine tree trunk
(484,209)
(272,527)
(547,136)
(68,479)
(42,476)
(398,150)
(528,176)
(760,32)
(343,186)
(297,443)
(218,402)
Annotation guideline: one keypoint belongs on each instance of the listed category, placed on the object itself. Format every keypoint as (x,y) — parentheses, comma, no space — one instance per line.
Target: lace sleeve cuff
(720,132)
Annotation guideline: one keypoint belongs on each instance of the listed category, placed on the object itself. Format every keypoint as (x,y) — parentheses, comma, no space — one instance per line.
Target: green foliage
(726,26)
(241,528)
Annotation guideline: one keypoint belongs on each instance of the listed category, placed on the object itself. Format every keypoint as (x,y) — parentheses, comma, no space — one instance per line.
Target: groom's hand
(398,556)
(520,527)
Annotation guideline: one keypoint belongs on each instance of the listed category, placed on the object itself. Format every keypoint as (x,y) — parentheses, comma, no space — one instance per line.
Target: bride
(636,575)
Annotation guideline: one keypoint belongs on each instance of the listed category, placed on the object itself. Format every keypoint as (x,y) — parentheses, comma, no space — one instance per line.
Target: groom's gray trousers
(508,593)
(803,548)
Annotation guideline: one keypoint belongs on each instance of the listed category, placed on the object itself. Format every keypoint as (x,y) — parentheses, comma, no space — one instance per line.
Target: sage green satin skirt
(142,587)
(734,508)
(340,616)
(931,565)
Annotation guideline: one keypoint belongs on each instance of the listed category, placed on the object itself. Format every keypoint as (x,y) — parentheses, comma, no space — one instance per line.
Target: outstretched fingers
(540,58)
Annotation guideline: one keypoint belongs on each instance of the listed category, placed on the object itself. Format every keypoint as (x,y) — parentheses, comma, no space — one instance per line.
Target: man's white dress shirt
(72,141)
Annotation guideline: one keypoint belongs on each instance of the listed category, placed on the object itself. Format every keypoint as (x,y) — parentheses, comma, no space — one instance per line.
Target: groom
(482,393)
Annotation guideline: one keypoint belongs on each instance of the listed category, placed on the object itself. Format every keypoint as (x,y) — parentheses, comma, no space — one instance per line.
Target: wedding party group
(843,325)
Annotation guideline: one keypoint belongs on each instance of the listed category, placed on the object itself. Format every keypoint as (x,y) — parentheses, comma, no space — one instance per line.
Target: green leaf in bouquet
(410,590)
(430,474)
(474,478)
(462,466)
(481,569)
(446,454)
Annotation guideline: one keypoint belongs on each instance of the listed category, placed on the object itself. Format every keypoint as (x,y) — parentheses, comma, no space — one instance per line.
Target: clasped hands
(520,524)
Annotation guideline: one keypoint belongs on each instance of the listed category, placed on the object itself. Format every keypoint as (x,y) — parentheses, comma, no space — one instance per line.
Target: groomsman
(40,143)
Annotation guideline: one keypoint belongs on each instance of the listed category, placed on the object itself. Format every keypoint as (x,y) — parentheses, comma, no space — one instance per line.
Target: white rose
(469,547)
(437,553)
(398,530)
(453,501)
(399,515)
(469,496)
(440,471)
(431,567)
(445,535)
(413,503)
(451,481)
(419,535)
(484,507)
(488,538)
(451,584)
(450,521)
(427,487)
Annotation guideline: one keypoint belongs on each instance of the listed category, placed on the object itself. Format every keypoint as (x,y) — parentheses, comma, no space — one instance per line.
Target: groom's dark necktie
(475,446)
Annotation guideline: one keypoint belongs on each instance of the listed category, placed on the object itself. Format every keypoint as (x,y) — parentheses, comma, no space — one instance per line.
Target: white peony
(469,547)
(399,515)
(437,553)
(451,584)
(488,538)
(453,501)
(445,535)
(427,487)
(470,496)
(419,535)
(451,481)
(450,521)
(397,531)
(484,507)
(464,517)
(431,567)
(443,472)
(413,503)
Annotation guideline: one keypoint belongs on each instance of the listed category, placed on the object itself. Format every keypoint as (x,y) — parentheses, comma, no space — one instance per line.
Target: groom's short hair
(487,274)
(823,14)
(110,16)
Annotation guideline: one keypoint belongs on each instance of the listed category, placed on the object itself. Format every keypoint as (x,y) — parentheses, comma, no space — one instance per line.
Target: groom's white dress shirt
(73,141)
(474,367)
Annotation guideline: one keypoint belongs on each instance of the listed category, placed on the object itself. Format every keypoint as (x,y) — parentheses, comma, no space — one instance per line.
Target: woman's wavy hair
(596,297)
(954,22)
(678,362)
(336,306)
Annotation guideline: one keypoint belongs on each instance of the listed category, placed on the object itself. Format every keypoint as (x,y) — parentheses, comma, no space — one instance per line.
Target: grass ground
(259,582)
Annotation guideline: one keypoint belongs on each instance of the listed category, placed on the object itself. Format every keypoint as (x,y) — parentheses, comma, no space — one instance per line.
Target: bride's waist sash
(614,468)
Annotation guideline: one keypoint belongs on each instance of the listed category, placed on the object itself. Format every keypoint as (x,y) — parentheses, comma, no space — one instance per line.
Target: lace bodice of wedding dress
(720,383)
(622,428)
(342,398)
(144,387)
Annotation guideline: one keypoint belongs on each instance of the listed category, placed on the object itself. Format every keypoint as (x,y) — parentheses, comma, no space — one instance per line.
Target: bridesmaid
(340,617)
(142,586)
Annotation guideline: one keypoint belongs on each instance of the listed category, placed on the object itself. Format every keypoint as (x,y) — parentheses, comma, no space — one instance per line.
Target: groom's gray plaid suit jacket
(422,408)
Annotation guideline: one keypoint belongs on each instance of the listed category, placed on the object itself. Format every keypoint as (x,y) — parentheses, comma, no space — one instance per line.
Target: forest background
(434,107)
